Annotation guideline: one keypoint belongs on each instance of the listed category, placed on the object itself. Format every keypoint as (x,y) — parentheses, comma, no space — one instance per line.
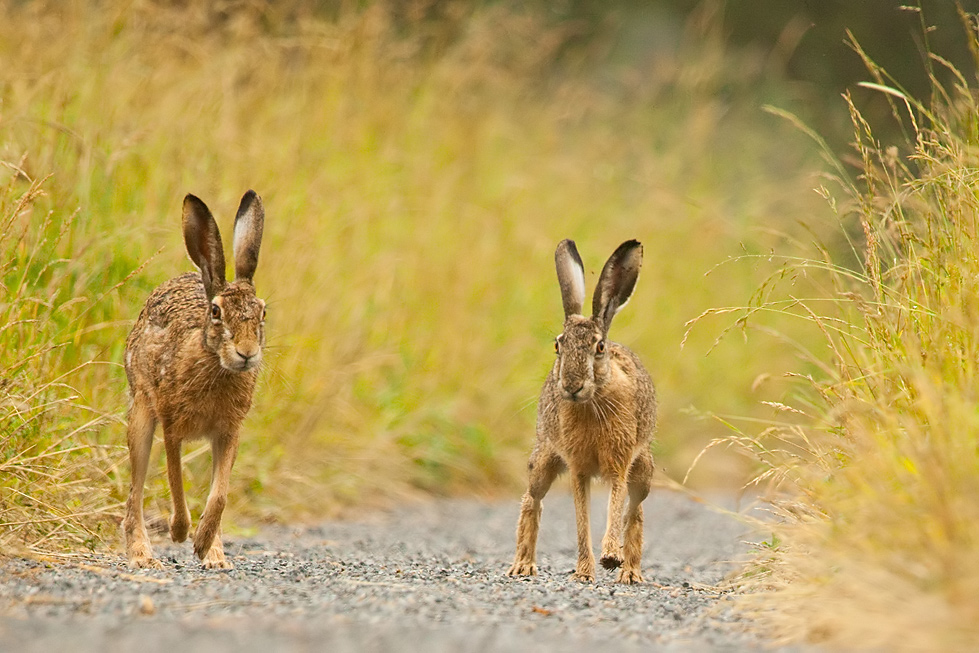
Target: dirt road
(428,578)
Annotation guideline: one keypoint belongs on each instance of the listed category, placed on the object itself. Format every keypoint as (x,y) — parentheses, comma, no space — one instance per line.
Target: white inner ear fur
(242,229)
(575,274)
(629,298)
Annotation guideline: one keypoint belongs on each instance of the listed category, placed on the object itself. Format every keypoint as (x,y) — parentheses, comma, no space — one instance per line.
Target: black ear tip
(195,205)
(568,245)
(629,247)
(248,200)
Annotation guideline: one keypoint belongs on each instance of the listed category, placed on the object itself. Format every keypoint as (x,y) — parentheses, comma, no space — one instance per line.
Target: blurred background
(419,161)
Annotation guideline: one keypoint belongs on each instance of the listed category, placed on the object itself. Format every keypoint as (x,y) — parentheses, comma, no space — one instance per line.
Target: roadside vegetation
(878,445)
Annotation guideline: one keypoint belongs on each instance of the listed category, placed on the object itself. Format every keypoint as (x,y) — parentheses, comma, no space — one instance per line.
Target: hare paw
(611,561)
(629,577)
(144,562)
(523,569)
(140,556)
(583,576)
(215,563)
(215,559)
(179,526)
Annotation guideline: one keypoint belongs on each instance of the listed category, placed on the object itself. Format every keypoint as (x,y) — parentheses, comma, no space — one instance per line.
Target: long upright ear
(571,276)
(249,224)
(203,242)
(617,282)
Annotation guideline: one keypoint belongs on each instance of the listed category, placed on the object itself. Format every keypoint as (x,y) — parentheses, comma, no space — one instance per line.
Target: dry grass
(49,459)
(879,450)
(417,175)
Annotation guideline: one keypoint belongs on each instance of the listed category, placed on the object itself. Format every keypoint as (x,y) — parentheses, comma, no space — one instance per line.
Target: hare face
(235,329)
(583,365)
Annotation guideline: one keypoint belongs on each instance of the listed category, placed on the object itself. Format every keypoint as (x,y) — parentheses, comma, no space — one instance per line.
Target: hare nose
(246,356)
(574,392)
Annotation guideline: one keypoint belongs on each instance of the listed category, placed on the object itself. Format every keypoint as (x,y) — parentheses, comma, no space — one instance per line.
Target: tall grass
(53,474)
(880,448)
(417,174)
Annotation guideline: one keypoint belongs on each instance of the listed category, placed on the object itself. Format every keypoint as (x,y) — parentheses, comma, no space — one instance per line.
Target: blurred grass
(417,175)
(876,548)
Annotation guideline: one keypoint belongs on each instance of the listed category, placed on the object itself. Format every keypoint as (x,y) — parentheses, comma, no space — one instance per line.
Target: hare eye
(557,347)
(215,312)
(263,314)
(601,347)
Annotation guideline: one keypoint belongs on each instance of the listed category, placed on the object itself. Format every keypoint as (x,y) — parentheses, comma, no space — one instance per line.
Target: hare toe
(629,577)
(523,569)
(140,556)
(215,559)
(583,576)
(215,563)
(144,562)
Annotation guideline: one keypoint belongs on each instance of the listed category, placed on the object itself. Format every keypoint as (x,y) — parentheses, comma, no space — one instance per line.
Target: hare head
(582,349)
(234,326)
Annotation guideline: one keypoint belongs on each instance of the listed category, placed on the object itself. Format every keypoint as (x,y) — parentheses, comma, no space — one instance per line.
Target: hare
(596,417)
(192,359)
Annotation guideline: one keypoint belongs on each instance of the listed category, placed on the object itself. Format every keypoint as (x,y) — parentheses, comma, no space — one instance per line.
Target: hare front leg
(581,490)
(207,539)
(544,468)
(180,519)
(640,479)
(139,435)
(215,555)
(612,542)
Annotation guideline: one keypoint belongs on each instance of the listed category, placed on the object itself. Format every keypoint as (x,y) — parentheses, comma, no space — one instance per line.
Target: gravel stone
(428,577)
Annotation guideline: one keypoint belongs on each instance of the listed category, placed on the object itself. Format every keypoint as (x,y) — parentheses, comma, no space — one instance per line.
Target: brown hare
(192,360)
(596,417)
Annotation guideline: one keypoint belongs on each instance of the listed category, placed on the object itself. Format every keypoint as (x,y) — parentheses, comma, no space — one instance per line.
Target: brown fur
(194,373)
(596,417)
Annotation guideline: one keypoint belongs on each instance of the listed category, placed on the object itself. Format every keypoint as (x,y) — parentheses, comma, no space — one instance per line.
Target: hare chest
(191,394)
(595,440)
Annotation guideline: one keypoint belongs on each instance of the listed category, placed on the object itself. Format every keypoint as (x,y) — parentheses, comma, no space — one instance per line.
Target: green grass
(878,450)
(50,458)
(417,177)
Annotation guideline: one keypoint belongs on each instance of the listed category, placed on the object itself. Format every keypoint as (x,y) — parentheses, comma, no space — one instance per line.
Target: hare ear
(249,224)
(571,277)
(617,282)
(203,242)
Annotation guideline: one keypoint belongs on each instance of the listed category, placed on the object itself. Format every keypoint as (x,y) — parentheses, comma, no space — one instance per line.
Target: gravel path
(427,578)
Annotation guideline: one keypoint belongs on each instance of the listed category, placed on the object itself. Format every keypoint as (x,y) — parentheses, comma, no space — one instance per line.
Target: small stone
(146,606)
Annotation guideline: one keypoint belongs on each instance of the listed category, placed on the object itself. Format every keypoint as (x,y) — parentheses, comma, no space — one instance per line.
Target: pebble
(430,577)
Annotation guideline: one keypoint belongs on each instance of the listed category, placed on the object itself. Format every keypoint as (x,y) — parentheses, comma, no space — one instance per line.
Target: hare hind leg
(139,435)
(180,518)
(544,468)
(207,540)
(640,479)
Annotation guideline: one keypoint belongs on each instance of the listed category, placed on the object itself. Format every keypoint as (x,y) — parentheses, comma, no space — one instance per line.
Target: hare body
(596,417)
(192,361)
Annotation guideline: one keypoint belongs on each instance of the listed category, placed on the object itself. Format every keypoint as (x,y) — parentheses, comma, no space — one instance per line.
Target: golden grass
(417,175)
(48,458)
(877,547)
